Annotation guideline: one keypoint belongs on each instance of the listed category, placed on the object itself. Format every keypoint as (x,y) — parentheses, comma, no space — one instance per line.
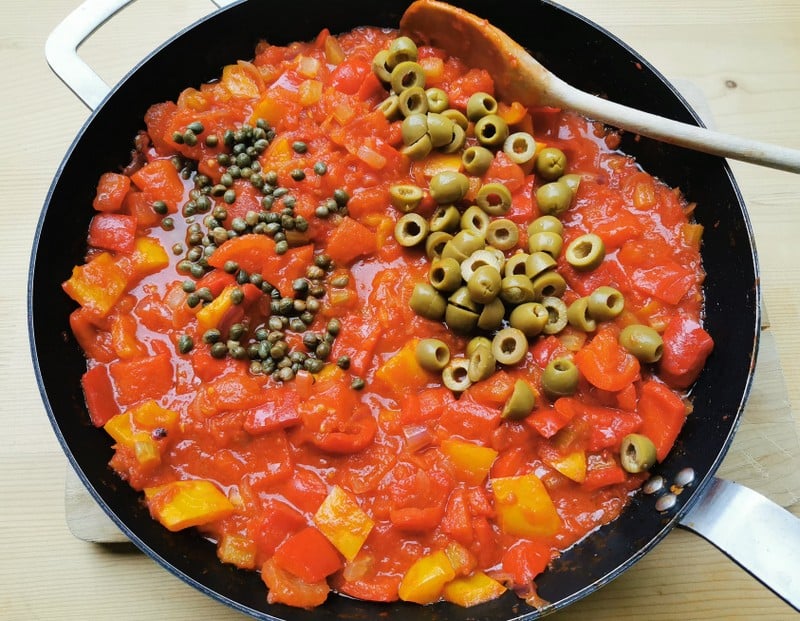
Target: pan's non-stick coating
(568,45)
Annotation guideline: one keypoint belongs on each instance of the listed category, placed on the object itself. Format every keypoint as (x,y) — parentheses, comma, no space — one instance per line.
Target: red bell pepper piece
(663,413)
(525,560)
(99,395)
(686,347)
(606,364)
(142,378)
(111,191)
(350,240)
(308,555)
(112,231)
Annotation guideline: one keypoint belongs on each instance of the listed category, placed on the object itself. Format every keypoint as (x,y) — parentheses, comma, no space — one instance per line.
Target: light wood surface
(744,57)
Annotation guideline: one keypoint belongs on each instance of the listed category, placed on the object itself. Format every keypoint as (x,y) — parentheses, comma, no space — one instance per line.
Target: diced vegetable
(524,507)
(472,590)
(471,462)
(425,579)
(182,504)
(343,522)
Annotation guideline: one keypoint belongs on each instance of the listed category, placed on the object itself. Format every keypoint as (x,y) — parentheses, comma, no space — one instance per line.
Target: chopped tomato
(606,364)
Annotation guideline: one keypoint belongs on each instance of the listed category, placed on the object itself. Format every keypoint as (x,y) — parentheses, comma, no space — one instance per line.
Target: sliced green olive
(521,402)
(605,303)
(554,198)
(412,101)
(509,346)
(494,198)
(637,453)
(475,342)
(480,105)
(402,49)
(405,197)
(427,302)
(475,219)
(549,284)
(457,140)
(440,129)
(538,263)
(557,315)
(491,317)
(405,75)
(455,375)
(516,289)
(560,378)
(477,259)
(463,244)
(546,224)
(448,186)
(411,230)
(445,218)
(550,243)
(578,315)
(476,160)
(380,66)
(499,257)
(460,319)
(515,264)
(435,243)
(414,127)
(491,130)
(437,99)
(502,233)
(530,318)
(484,284)
(445,274)
(643,342)
(585,252)
(461,297)
(390,107)
(551,163)
(481,363)
(432,354)
(457,117)
(573,182)
(418,150)
(520,147)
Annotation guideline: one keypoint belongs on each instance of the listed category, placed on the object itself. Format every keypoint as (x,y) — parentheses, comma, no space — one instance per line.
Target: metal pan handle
(61,48)
(758,534)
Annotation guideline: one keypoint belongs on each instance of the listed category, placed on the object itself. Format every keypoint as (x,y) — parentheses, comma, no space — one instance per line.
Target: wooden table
(743,56)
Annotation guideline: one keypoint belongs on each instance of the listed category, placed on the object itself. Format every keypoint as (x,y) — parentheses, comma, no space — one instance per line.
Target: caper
(643,342)
(491,130)
(455,375)
(509,346)
(411,230)
(578,315)
(445,274)
(585,252)
(484,284)
(494,198)
(551,163)
(432,354)
(427,302)
(480,105)
(530,318)
(637,453)
(502,233)
(476,160)
(185,344)
(521,402)
(448,186)
(475,219)
(481,363)
(560,378)
(605,303)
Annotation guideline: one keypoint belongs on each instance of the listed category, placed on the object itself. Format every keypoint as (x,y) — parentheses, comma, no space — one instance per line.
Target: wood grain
(745,58)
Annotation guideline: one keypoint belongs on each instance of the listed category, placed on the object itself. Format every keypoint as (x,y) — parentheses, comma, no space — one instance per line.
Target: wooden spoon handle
(673,132)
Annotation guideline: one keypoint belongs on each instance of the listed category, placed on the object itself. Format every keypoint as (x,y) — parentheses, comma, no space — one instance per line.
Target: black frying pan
(570,46)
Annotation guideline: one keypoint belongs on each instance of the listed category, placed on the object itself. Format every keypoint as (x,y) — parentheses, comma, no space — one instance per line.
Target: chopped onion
(417,437)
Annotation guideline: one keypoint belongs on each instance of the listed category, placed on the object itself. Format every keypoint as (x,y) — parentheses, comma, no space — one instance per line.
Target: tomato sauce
(360,471)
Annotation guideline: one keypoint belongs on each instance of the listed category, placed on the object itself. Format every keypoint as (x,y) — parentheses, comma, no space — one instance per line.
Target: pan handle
(758,534)
(61,48)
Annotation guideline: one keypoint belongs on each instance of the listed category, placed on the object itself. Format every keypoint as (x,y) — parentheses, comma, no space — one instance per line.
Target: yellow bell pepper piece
(98,284)
(120,428)
(212,314)
(402,372)
(439,162)
(572,466)
(239,82)
(149,416)
(148,257)
(425,579)
(524,508)
(471,462)
(237,550)
(343,522)
(182,504)
(146,450)
(472,590)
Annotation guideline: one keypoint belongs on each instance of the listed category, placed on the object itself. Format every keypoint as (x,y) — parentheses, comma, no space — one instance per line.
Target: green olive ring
(546,224)
(551,243)
(462,298)
(585,252)
(480,105)
(405,75)
(455,375)
(412,101)
(440,129)
(457,140)
(538,263)
(437,99)
(481,363)
(414,127)
(578,315)
(492,315)
(605,303)
(643,342)
(405,197)
(410,230)
(509,346)
(463,244)
(432,354)
(521,402)
(475,219)
(491,130)
(457,117)
(520,147)
(435,243)
(516,289)
(459,319)
(494,198)
(554,198)
(637,453)
(427,302)
(502,233)
(478,259)
(551,163)
(445,218)
(419,149)
(516,264)
(560,378)
(476,160)
(557,315)
(390,107)
(380,66)
(530,318)
(445,274)
(484,284)
(448,186)
(402,49)
(550,284)
(572,181)
(475,342)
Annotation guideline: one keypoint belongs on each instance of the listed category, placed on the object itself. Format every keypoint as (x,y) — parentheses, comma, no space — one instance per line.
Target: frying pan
(741,522)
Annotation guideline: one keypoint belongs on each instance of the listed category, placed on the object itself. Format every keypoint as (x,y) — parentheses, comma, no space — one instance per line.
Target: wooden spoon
(518,77)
